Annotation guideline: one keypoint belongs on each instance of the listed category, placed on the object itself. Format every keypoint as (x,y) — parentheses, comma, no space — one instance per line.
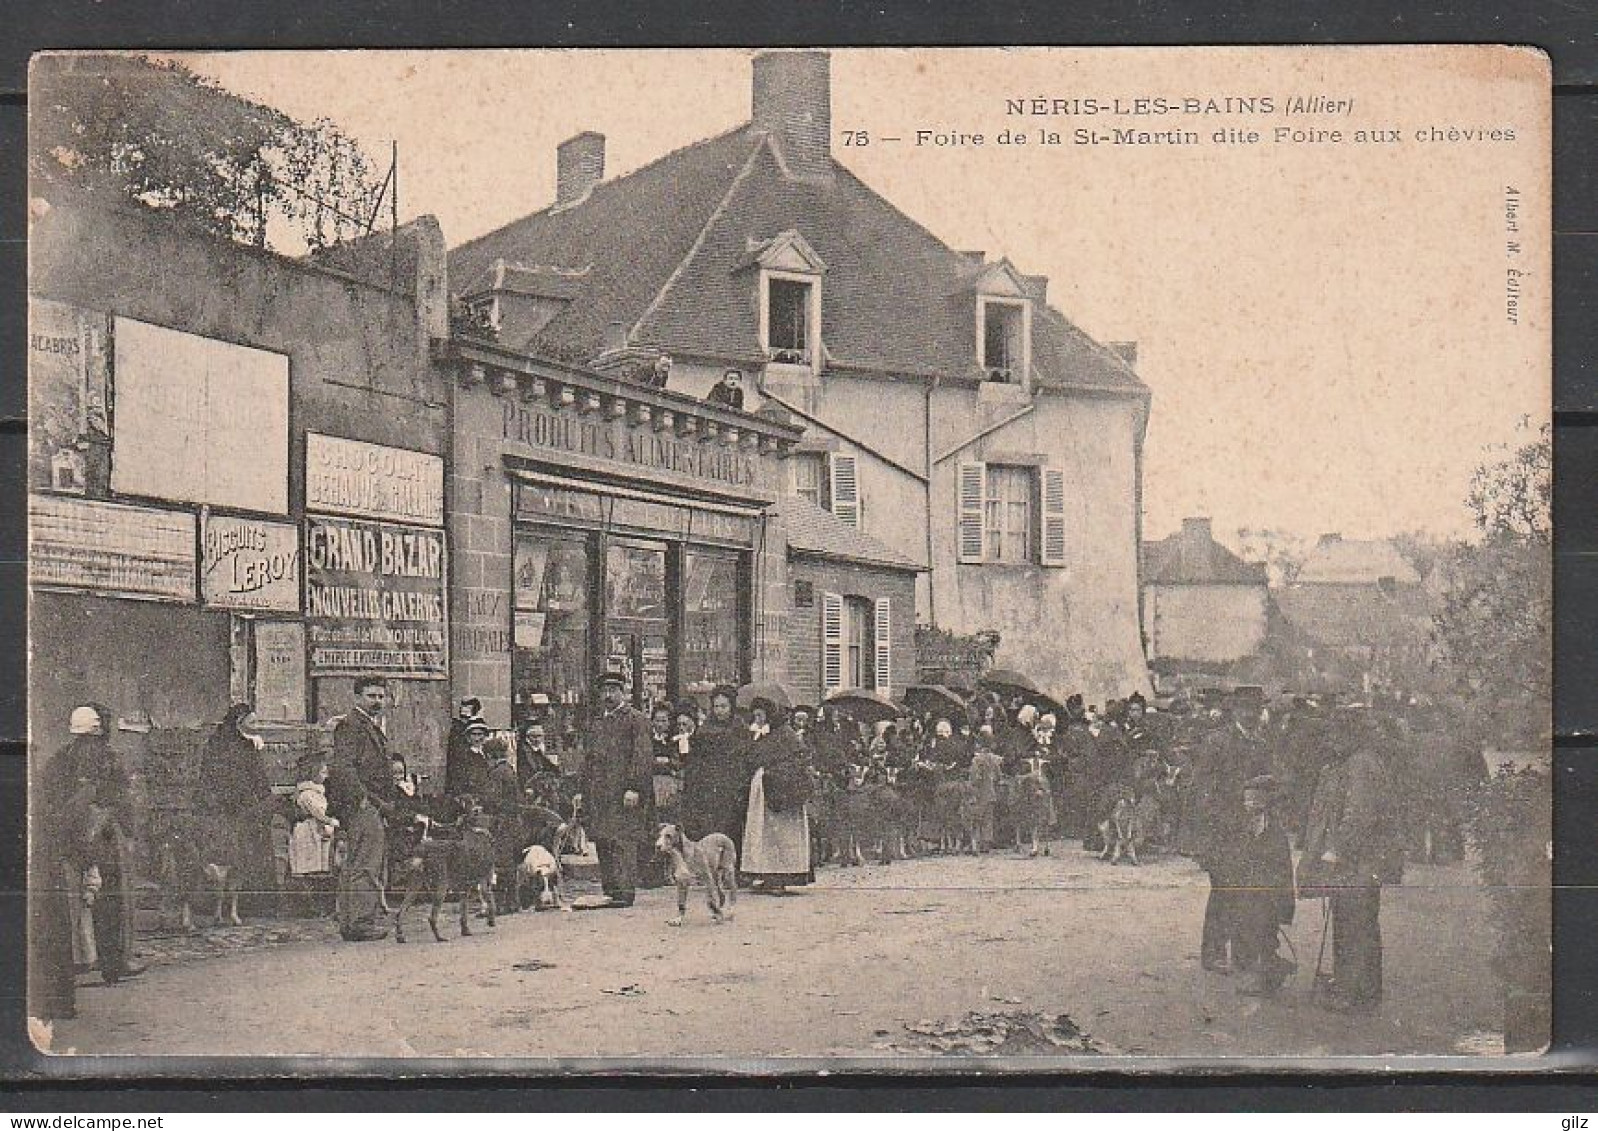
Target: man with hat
(467,732)
(1351,843)
(618,789)
(1228,757)
(470,772)
(1263,900)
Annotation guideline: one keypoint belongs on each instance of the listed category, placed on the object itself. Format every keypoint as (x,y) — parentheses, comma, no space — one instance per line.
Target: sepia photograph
(789,560)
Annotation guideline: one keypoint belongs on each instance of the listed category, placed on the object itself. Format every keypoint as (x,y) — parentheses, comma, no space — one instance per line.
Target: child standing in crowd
(1263,898)
(311,842)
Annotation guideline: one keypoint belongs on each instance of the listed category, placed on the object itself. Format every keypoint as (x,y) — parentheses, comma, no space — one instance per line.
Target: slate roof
(1344,561)
(1184,558)
(669,247)
(812,530)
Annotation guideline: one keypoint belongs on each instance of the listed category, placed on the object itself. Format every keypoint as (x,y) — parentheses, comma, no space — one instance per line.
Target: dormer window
(1004,299)
(484,311)
(789,299)
(1003,339)
(788,336)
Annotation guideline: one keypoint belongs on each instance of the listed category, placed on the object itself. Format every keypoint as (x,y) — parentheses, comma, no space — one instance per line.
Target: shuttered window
(971,488)
(831,642)
(1052,489)
(845,489)
(1009,513)
(882,633)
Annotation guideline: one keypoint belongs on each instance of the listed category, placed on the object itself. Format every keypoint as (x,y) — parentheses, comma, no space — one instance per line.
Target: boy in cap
(1263,900)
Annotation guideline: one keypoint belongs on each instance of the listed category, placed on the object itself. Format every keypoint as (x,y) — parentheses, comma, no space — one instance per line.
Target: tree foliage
(1493,632)
(1282,551)
(157,133)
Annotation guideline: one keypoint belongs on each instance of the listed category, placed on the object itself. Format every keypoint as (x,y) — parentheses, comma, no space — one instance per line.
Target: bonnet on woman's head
(86,718)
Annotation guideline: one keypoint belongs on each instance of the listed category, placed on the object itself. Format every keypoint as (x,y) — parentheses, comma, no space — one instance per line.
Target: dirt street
(840,969)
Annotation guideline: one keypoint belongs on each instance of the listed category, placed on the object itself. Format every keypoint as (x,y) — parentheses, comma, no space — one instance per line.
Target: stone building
(1205,610)
(948,411)
(235,484)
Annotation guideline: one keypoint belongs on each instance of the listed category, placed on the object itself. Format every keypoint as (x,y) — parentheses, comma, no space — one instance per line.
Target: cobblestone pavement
(1055,956)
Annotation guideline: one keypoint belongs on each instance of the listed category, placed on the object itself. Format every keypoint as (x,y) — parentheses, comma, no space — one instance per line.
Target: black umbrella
(863,705)
(934,699)
(1045,704)
(1007,681)
(749,692)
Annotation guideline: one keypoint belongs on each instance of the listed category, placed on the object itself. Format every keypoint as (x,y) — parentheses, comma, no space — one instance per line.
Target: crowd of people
(1237,784)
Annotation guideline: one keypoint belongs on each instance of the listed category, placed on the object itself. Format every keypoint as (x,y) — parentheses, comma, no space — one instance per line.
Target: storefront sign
(199,420)
(109,548)
(374,599)
(617,442)
(535,502)
(482,624)
(373,481)
(66,392)
(280,670)
(246,563)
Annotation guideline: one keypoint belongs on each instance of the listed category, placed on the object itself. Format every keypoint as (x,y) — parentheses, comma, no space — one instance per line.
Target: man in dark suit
(360,793)
(1351,841)
(618,789)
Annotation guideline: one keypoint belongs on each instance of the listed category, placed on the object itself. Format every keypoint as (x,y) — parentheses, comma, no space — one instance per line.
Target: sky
(1322,323)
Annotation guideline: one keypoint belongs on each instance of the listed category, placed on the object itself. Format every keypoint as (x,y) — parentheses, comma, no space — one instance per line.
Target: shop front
(657,591)
(603,527)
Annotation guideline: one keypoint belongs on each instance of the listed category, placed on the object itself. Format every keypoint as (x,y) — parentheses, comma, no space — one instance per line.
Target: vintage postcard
(790,559)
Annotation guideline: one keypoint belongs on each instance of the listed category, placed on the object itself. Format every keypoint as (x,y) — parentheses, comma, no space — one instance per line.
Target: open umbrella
(863,705)
(749,692)
(934,699)
(1007,682)
(1045,704)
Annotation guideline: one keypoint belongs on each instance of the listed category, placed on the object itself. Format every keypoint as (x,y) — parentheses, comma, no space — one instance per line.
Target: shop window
(551,643)
(712,650)
(637,631)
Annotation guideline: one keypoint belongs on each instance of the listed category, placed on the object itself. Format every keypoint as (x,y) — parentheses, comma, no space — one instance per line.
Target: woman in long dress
(235,803)
(715,781)
(776,847)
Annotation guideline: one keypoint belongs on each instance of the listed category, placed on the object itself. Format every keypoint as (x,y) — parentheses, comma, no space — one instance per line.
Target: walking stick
(1326,930)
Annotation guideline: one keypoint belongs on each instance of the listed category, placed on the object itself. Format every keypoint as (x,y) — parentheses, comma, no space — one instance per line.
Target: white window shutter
(845,488)
(1053,492)
(972,492)
(882,637)
(831,642)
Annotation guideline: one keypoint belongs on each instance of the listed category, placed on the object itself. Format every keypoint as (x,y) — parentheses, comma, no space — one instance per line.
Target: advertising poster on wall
(188,408)
(66,392)
(280,670)
(374,599)
(247,563)
(373,481)
(108,548)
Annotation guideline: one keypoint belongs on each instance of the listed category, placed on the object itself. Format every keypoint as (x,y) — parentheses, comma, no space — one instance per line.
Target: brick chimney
(792,101)
(1329,539)
(1195,529)
(1126,351)
(579,166)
